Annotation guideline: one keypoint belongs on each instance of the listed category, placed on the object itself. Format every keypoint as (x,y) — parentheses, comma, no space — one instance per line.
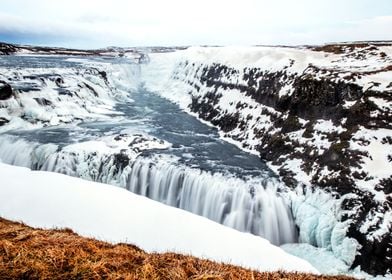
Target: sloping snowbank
(44,199)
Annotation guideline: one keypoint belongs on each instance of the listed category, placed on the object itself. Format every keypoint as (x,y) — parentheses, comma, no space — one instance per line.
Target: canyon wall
(321,118)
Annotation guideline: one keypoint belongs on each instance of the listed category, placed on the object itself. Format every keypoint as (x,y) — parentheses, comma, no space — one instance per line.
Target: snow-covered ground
(51,200)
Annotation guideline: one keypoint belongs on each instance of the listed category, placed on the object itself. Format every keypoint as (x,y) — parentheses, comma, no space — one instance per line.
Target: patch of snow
(294,165)
(322,258)
(376,159)
(327,127)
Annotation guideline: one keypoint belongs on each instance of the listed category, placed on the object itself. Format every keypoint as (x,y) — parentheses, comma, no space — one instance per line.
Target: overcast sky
(96,23)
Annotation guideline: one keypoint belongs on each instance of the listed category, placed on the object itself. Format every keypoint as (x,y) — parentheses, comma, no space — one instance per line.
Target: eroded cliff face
(6,49)
(321,118)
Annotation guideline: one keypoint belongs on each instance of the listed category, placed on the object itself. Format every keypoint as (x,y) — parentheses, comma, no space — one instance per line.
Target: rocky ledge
(320,116)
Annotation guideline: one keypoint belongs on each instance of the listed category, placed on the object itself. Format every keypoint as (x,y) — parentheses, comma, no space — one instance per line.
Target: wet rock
(63,91)
(6,49)
(121,160)
(103,74)
(3,121)
(120,136)
(5,91)
(59,81)
(43,101)
(91,89)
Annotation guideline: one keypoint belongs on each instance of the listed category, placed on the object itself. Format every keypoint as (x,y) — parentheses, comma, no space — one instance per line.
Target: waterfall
(249,205)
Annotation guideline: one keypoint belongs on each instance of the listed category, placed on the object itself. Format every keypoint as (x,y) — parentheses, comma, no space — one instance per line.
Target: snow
(50,200)
(326,262)
(294,165)
(294,60)
(376,162)
(327,127)
(381,103)
(323,259)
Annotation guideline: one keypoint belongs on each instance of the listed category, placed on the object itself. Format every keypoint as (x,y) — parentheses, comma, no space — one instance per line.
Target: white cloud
(178,22)
(377,28)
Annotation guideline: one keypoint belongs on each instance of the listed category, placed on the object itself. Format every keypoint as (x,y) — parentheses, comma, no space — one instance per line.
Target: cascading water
(249,205)
(199,173)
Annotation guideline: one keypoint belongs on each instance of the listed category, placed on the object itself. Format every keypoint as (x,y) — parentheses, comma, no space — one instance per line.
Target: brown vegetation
(340,48)
(27,253)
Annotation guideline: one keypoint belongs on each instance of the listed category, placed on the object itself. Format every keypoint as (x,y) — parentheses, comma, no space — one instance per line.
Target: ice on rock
(343,247)
(315,214)
(322,258)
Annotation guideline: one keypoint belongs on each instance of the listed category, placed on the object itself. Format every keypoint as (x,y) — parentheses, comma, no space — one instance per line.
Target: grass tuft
(27,253)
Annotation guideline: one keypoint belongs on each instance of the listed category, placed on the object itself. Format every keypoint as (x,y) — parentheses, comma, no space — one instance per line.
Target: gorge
(188,127)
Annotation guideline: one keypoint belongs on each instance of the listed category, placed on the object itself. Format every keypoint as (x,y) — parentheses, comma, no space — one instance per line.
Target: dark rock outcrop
(5,91)
(311,99)
(43,101)
(7,49)
(3,121)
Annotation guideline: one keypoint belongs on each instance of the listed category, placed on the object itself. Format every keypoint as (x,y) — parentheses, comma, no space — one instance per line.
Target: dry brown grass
(27,253)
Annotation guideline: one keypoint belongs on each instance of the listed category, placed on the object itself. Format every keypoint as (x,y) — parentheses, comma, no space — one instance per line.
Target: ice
(316,214)
(325,261)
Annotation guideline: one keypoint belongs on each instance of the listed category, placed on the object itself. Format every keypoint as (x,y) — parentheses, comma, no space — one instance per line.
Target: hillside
(321,118)
(30,253)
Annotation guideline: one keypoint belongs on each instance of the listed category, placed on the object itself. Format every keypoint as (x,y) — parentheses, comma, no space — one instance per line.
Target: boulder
(3,121)
(5,91)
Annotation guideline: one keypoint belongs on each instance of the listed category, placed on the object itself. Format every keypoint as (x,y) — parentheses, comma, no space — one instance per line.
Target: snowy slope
(48,200)
(321,117)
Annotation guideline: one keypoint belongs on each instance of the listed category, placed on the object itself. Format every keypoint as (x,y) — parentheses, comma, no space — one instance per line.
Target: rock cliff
(320,116)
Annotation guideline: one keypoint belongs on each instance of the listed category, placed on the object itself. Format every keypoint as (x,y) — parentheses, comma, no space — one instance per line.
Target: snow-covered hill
(321,117)
(51,200)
